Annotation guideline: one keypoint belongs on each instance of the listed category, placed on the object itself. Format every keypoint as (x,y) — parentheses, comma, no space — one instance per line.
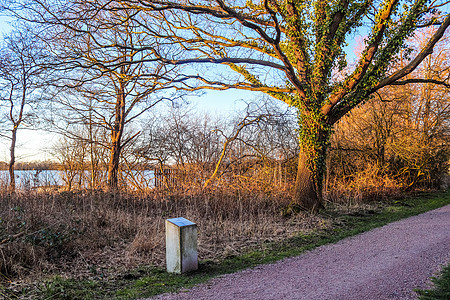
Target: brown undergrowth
(95,234)
(92,233)
(364,186)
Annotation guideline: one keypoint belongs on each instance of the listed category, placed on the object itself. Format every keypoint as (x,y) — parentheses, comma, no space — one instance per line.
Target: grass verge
(441,289)
(150,281)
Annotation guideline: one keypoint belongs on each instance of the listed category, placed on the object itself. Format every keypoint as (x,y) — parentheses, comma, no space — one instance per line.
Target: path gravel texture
(384,263)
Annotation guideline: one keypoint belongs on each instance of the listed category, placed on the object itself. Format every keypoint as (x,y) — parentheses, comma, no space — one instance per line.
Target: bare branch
(427,50)
(419,80)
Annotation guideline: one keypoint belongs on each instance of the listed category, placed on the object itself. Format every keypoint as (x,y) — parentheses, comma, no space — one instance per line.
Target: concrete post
(181,246)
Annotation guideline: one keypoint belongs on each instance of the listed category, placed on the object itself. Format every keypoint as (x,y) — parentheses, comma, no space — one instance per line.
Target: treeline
(32,165)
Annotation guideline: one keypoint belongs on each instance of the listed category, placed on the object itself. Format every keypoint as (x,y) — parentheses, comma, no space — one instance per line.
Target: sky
(37,145)
(4,25)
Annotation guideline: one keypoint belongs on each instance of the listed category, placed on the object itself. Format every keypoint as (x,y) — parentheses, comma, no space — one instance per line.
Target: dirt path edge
(385,263)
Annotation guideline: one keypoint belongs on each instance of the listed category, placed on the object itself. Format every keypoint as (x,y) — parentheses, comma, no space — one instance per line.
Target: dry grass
(92,234)
(366,185)
(88,234)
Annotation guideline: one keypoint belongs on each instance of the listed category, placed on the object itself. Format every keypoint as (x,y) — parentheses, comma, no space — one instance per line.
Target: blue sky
(37,144)
(4,25)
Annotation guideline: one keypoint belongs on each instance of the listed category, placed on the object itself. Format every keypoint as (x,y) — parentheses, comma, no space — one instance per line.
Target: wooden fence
(165,178)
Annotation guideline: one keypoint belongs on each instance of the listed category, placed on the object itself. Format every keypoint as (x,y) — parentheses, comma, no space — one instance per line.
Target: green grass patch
(441,289)
(150,281)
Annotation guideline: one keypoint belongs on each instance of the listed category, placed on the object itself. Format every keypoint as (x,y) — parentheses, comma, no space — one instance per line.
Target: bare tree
(290,50)
(208,149)
(21,68)
(181,138)
(105,64)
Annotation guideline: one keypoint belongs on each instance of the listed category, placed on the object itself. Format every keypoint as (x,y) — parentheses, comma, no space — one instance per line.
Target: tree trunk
(116,139)
(12,161)
(16,124)
(314,142)
(93,168)
(113,167)
(308,187)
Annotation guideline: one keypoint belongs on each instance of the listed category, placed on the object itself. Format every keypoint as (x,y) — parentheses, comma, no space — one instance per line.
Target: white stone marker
(181,245)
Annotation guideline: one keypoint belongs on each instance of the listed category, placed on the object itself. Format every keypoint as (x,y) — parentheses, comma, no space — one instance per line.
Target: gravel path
(385,263)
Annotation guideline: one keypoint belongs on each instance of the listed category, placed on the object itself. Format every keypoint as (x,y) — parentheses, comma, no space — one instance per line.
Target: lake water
(29,179)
